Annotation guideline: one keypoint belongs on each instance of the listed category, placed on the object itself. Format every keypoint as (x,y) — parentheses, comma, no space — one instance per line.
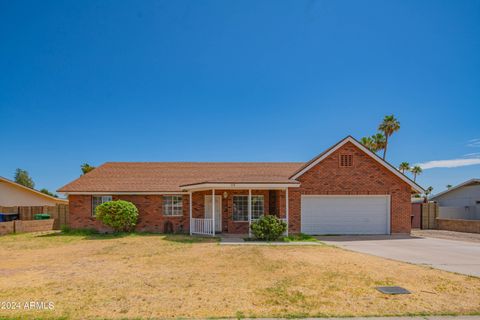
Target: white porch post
(286,208)
(213,212)
(249,212)
(191,222)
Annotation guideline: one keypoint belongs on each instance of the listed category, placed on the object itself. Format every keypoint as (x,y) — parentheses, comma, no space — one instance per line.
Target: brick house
(347,189)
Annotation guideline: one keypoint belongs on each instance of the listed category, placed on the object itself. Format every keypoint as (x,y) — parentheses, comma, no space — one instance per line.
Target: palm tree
(388,126)
(449,186)
(416,170)
(428,191)
(379,141)
(368,142)
(404,166)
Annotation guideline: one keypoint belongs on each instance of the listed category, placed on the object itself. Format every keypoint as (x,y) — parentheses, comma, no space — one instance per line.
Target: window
(346,160)
(172,205)
(240,207)
(98,200)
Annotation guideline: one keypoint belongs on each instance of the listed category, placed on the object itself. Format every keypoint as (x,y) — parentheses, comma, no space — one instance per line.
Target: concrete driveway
(451,255)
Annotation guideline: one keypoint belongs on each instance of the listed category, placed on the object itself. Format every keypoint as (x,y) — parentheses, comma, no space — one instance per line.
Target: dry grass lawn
(147,276)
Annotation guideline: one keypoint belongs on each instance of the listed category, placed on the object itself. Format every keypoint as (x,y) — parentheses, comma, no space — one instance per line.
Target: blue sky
(96,81)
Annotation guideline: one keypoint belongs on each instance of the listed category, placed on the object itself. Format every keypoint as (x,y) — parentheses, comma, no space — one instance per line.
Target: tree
(368,143)
(416,170)
(374,143)
(22,177)
(404,166)
(44,190)
(86,168)
(379,141)
(449,186)
(388,126)
(428,191)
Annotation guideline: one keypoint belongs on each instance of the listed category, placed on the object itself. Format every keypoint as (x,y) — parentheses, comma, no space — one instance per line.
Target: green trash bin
(41,216)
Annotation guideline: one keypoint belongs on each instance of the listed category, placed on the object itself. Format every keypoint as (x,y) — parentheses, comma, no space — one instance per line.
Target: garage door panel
(345,214)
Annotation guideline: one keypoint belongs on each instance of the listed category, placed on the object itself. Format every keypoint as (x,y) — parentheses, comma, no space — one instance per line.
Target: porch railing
(202,226)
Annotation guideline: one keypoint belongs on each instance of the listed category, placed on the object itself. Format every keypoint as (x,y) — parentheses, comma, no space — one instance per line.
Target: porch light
(225,195)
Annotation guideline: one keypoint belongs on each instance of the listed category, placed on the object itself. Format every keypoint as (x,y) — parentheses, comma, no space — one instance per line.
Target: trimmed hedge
(120,215)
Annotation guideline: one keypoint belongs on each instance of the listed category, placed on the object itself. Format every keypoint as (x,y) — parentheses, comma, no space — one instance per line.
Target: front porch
(235,208)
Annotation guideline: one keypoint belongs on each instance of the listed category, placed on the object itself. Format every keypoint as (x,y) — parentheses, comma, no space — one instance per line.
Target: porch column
(213,212)
(286,208)
(249,212)
(191,222)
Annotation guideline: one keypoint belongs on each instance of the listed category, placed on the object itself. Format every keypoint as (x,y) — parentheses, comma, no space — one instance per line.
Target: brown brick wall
(472,226)
(366,177)
(150,217)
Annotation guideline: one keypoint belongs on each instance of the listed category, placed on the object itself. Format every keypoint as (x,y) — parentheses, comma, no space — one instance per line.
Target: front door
(218,211)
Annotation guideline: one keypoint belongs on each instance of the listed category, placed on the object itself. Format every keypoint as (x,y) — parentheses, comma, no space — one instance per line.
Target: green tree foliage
(416,170)
(388,126)
(268,228)
(44,190)
(120,215)
(404,166)
(22,177)
(374,143)
(86,168)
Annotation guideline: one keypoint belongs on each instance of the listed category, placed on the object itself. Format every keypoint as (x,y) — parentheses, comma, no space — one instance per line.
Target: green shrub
(120,215)
(268,228)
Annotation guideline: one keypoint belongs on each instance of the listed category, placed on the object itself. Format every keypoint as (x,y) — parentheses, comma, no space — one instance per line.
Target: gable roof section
(463,184)
(338,145)
(155,177)
(33,191)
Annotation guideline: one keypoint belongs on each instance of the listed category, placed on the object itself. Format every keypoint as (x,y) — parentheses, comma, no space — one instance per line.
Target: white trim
(240,186)
(368,152)
(190,212)
(286,208)
(463,184)
(126,193)
(250,212)
(33,190)
(213,211)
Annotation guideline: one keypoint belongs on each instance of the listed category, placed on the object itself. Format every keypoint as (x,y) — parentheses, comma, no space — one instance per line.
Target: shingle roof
(170,176)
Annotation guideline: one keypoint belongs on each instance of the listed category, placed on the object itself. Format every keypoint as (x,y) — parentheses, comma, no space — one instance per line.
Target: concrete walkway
(451,255)
(396,318)
(229,239)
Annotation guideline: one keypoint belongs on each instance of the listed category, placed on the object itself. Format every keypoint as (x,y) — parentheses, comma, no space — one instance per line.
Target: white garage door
(345,214)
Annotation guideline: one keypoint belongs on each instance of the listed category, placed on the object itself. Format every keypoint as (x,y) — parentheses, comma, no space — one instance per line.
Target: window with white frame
(240,207)
(172,205)
(98,200)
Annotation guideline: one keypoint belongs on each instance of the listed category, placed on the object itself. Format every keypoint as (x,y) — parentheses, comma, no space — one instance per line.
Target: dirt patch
(448,235)
(157,277)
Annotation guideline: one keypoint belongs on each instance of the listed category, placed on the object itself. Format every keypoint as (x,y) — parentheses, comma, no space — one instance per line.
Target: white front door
(218,211)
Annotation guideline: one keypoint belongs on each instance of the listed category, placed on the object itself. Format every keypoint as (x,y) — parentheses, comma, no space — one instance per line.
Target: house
(347,189)
(460,202)
(13,194)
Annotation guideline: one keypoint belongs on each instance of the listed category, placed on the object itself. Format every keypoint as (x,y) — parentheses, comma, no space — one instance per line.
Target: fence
(59,213)
(20,226)
(429,215)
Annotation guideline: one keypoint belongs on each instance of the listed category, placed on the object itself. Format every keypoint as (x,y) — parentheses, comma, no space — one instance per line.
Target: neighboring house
(13,194)
(345,190)
(460,202)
